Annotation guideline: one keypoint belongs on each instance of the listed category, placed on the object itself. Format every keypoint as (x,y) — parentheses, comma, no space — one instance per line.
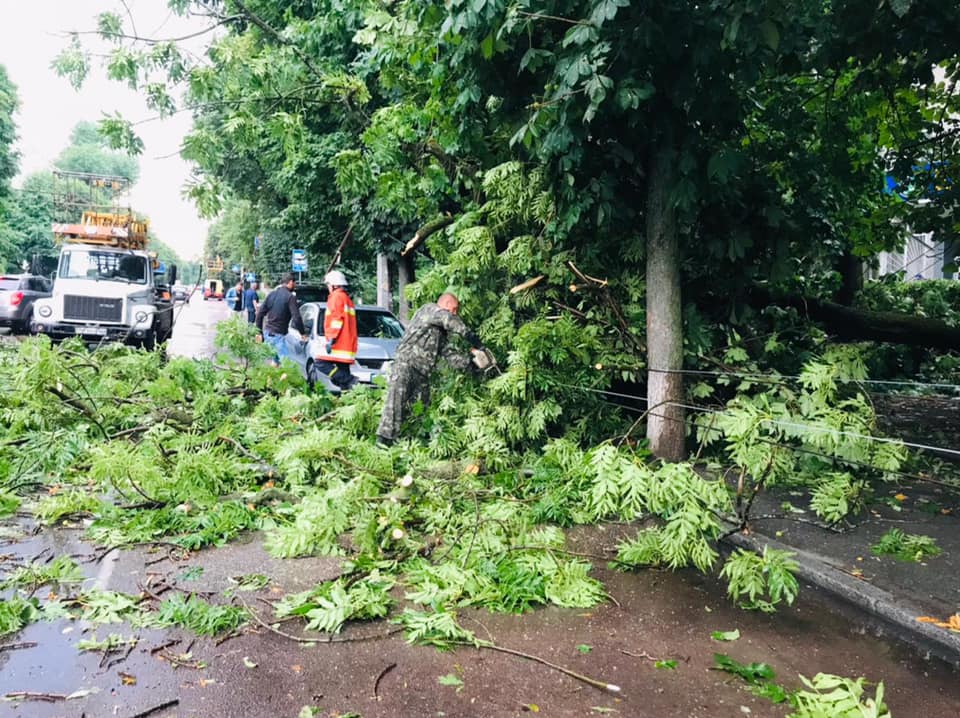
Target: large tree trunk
(384,295)
(851,275)
(863,325)
(665,421)
(405,276)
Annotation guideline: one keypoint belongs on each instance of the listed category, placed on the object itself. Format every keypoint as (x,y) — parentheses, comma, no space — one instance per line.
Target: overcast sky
(32,33)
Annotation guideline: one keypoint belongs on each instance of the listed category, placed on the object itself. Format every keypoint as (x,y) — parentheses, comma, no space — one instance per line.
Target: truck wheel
(149,342)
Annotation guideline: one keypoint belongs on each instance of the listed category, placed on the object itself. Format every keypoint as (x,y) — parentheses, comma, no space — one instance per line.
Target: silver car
(18,292)
(378,334)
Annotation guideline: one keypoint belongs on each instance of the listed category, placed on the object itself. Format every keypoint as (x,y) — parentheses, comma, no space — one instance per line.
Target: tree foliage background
(25,234)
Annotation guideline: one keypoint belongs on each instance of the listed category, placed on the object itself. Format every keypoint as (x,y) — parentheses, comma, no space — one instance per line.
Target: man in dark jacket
(424,342)
(278,311)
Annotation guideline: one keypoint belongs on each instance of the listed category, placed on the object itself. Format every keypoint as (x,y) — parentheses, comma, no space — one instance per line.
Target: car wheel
(22,327)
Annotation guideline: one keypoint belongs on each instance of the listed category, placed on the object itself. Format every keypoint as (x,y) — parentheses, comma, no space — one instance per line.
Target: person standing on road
(237,298)
(424,342)
(251,301)
(275,315)
(339,347)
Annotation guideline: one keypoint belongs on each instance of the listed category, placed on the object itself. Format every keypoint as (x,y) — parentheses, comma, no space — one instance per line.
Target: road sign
(251,277)
(299,260)
(235,268)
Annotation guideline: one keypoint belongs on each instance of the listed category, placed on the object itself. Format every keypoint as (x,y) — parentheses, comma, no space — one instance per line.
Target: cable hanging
(780,422)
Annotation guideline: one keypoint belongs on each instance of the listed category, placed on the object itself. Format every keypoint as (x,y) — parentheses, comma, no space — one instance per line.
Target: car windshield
(94,264)
(310,293)
(378,324)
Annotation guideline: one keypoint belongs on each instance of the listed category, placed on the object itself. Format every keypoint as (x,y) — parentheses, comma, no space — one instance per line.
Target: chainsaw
(485,361)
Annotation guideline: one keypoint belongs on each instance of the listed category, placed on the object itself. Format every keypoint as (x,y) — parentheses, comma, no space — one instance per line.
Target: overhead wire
(780,378)
(780,422)
(803,450)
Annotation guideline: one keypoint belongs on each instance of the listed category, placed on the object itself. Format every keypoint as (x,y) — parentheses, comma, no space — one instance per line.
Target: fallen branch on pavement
(602,685)
(376,683)
(35,696)
(17,646)
(322,639)
(157,709)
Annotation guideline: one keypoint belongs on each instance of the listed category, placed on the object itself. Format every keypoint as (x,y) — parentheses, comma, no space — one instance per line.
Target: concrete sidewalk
(890,592)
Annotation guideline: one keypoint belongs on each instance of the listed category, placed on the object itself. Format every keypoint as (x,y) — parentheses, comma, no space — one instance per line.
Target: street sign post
(298,262)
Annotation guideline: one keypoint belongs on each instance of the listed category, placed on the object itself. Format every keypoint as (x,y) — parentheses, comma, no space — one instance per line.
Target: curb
(897,616)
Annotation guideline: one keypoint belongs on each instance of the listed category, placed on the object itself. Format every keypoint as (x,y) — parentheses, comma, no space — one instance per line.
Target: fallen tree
(855,324)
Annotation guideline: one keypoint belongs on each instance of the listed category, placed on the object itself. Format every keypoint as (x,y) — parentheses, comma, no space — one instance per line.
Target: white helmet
(336,278)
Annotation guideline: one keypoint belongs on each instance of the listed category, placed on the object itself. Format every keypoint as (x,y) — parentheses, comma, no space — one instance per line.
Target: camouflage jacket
(426,338)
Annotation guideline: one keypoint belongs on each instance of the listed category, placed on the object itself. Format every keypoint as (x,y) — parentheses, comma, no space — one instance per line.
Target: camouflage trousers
(407,386)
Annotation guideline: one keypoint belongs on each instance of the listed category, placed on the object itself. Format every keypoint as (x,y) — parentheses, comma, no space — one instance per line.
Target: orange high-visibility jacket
(340,325)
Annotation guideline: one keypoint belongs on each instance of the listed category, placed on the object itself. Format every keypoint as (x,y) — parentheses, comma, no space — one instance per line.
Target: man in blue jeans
(251,301)
(278,311)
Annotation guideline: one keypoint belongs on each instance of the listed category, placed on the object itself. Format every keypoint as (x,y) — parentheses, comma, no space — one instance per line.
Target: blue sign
(251,277)
(235,268)
(299,260)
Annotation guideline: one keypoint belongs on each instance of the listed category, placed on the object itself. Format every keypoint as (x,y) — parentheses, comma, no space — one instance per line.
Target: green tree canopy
(89,152)
(679,163)
(8,159)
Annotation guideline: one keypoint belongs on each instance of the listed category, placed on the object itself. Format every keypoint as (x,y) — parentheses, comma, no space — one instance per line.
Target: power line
(803,450)
(778,422)
(780,378)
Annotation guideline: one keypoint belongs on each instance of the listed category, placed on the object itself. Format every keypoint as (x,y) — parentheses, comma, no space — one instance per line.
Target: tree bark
(853,324)
(421,235)
(384,295)
(851,273)
(665,420)
(405,276)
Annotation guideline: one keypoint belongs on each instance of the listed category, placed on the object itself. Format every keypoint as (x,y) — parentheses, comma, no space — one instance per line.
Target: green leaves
(16,612)
(451,680)
(761,582)
(437,628)
(120,135)
(906,547)
(332,603)
(750,672)
(830,696)
(733,635)
(73,62)
(109,26)
(61,570)
(196,615)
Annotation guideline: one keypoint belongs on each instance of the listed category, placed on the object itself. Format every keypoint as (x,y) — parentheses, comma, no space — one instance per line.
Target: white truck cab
(105,286)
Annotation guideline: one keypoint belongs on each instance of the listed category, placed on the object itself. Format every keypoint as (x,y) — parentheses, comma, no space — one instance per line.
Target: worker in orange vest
(339,348)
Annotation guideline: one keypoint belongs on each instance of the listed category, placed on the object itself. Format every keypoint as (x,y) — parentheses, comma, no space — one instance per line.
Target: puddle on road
(668,615)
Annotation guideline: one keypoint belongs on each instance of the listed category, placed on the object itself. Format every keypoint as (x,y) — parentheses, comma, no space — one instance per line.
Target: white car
(378,334)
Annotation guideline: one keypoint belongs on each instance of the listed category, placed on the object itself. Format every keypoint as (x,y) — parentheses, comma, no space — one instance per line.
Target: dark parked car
(18,292)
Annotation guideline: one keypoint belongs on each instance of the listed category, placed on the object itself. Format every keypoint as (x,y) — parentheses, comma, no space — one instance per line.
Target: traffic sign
(251,277)
(299,260)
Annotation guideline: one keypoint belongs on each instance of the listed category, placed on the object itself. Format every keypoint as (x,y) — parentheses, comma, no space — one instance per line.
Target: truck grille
(93,309)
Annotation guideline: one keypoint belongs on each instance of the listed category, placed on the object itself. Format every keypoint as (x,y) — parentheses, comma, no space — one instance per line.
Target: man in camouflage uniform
(424,342)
